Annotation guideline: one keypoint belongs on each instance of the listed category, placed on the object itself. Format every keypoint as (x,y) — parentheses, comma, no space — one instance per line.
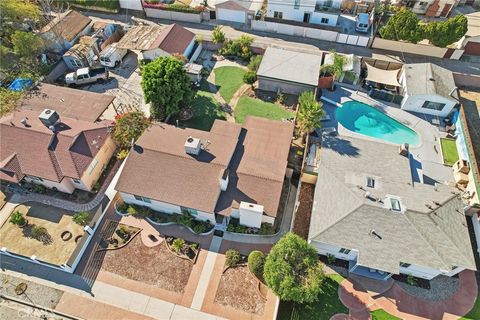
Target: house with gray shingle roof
(368,209)
(428,88)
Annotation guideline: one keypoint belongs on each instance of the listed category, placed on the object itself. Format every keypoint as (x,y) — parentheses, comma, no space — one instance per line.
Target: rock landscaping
(183,249)
(235,226)
(441,288)
(121,236)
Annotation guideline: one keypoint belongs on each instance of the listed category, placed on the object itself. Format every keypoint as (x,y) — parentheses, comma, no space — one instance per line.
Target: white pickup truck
(86,76)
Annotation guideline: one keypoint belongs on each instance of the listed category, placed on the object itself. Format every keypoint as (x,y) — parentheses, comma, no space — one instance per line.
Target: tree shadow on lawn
(205,110)
(327,305)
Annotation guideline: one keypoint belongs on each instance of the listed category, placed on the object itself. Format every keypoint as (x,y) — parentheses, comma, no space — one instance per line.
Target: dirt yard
(238,289)
(154,266)
(53,249)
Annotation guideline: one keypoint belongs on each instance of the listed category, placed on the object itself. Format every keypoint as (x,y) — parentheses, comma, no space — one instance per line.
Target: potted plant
(18,219)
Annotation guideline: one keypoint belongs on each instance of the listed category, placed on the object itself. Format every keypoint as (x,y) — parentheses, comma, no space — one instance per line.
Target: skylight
(395,205)
(370,182)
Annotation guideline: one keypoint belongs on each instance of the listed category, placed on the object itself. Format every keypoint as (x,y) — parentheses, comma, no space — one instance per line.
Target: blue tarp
(20,84)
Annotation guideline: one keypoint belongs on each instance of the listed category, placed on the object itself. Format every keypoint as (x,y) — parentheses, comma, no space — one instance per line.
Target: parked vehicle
(86,75)
(362,22)
(112,56)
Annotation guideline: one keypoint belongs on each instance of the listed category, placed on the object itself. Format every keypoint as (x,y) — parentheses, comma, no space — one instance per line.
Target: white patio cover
(388,77)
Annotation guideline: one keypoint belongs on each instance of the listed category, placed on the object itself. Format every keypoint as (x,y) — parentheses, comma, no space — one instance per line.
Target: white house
(65,29)
(370,211)
(230,171)
(324,12)
(428,88)
(151,42)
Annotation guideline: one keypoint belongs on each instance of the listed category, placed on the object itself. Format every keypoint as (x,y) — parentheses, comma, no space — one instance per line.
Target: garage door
(231,15)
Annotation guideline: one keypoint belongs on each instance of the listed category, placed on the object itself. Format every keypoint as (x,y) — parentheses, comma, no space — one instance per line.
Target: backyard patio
(51,247)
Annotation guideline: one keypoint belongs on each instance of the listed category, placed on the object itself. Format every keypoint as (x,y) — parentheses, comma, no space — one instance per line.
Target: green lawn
(474,314)
(205,110)
(228,80)
(381,314)
(449,151)
(327,305)
(254,107)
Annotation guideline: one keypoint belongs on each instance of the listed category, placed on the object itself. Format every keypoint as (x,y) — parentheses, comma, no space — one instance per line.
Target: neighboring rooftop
(298,67)
(82,48)
(173,38)
(160,168)
(70,103)
(428,78)
(67,25)
(249,5)
(365,186)
(28,147)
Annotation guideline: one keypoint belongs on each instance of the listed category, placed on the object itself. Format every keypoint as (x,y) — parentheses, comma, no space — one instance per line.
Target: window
(35,178)
(423,5)
(77,181)
(190,211)
(278,14)
(92,166)
(77,63)
(143,199)
(296,5)
(370,182)
(404,265)
(395,203)
(345,251)
(433,105)
(324,20)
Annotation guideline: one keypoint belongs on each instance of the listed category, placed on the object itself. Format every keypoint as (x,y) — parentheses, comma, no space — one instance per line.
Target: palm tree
(310,112)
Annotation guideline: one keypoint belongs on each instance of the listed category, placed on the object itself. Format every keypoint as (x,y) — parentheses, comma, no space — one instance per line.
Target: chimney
(224,180)
(49,118)
(193,146)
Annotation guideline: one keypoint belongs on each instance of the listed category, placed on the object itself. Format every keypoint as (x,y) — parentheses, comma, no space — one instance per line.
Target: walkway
(398,302)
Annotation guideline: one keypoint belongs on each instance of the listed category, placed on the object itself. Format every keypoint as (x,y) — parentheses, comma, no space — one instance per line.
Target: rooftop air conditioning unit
(49,117)
(193,146)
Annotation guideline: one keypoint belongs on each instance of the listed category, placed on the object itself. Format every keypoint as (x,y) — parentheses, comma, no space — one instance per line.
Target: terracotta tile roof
(68,25)
(159,168)
(35,150)
(70,103)
(173,39)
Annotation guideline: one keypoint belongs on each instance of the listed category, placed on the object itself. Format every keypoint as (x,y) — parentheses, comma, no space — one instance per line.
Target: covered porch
(355,268)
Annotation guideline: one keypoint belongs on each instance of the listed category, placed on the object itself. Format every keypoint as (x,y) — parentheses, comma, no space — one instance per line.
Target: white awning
(388,77)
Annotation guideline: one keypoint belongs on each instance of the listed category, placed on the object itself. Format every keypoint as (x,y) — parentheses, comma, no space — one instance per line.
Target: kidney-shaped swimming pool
(364,119)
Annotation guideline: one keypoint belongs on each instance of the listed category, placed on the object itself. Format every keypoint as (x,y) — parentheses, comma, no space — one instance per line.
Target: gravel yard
(238,289)
(151,265)
(441,288)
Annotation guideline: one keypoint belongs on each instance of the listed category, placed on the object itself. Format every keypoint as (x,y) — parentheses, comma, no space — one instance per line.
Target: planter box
(325,82)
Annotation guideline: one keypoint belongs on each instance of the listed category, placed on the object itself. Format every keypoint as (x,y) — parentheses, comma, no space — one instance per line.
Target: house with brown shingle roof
(151,42)
(57,152)
(231,171)
(65,29)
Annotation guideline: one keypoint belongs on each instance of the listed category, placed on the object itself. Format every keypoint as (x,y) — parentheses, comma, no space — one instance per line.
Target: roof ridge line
(183,157)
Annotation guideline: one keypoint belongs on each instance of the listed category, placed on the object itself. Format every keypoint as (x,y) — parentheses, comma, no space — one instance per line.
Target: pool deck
(426,158)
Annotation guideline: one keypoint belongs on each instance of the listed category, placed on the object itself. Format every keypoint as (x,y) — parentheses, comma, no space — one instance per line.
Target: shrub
(280,98)
(178,244)
(122,154)
(185,219)
(250,77)
(411,280)
(231,227)
(255,63)
(39,188)
(132,209)
(240,229)
(256,260)
(81,218)
(17,218)
(232,257)
(240,48)
(122,207)
(331,258)
(218,36)
(39,232)
(194,246)
(200,227)
(266,228)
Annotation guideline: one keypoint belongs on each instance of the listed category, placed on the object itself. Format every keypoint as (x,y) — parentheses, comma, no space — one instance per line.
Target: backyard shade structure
(387,77)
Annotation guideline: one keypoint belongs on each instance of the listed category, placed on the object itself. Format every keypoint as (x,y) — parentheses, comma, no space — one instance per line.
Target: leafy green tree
(292,270)
(129,126)
(403,25)
(81,218)
(310,112)
(443,33)
(26,44)
(250,77)
(218,36)
(166,86)
(256,262)
(255,62)
(8,100)
(18,10)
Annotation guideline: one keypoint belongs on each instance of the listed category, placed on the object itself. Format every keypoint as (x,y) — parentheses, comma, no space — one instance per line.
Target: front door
(306,17)
(213,15)
(446,10)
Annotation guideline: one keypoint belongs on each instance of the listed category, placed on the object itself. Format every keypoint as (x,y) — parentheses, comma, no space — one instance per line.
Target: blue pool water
(364,119)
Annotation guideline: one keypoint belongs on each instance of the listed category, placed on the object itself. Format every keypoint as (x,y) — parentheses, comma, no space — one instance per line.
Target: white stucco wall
(414,103)
(165,207)
(153,54)
(290,13)
(268,219)
(188,50)
(325,248)
(66,185)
